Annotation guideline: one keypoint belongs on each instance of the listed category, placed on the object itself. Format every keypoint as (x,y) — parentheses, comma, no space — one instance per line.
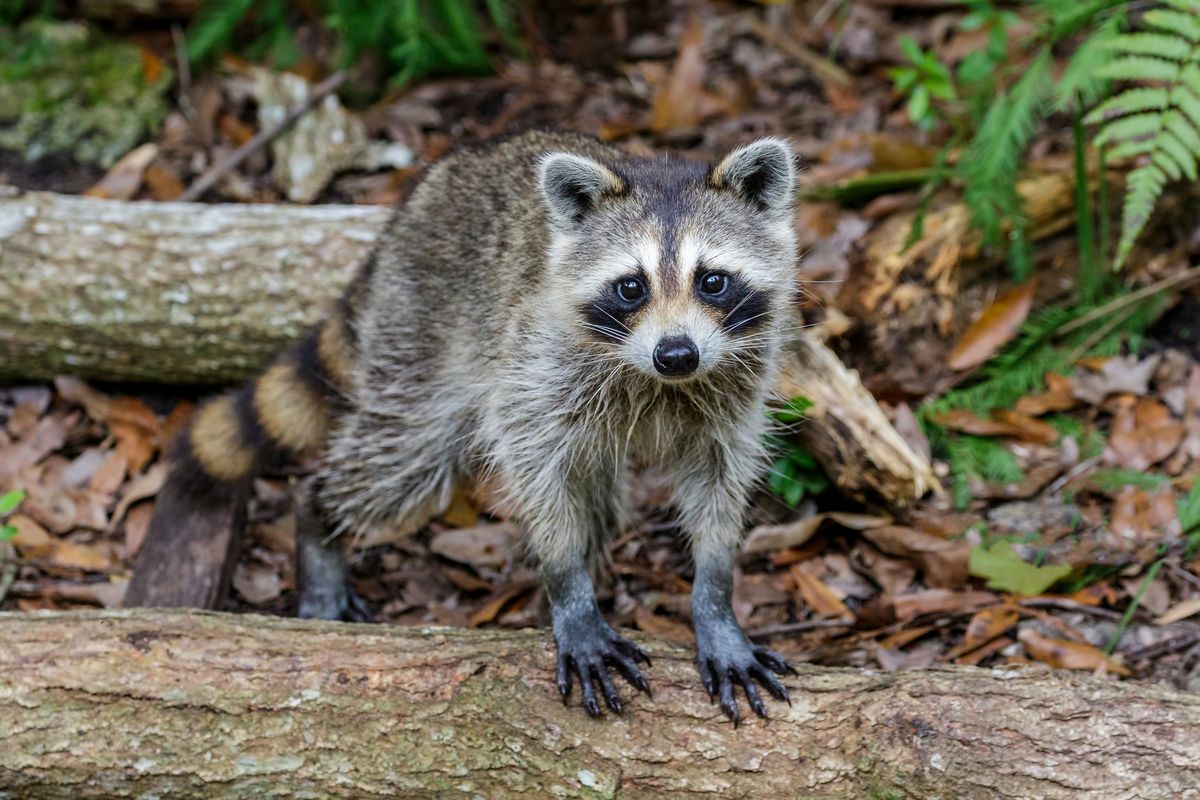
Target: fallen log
(205,705)
(206,294)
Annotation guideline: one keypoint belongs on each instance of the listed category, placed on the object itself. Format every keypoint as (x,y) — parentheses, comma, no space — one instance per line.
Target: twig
(1168,645)
(795,627)
(1069,605)
(1098,335)
(1133,297)
(262,138)
(824,67)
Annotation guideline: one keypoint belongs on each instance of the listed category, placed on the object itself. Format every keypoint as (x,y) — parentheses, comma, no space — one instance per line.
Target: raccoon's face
(678,268)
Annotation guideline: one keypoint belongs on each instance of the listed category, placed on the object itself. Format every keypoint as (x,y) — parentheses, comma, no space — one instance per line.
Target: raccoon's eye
(714,283)
(631,290)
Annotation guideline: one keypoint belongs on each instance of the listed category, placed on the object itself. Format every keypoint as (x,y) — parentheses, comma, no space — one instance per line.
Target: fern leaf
(1081,83)
(1167,165)
(1143,188)
(1187,6)
(1134,147)
(1140,68)
(1187,99)
(1180,23)
(1130,127)
(1159,45)
(1129,102)
(1180,153)
(1177,124)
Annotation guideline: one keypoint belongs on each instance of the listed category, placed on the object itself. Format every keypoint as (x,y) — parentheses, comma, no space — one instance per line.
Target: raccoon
(541,310)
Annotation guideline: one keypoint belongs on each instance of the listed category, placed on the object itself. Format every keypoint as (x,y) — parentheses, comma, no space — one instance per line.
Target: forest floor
(1064,535)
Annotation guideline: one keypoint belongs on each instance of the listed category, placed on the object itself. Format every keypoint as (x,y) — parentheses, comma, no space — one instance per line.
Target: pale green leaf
(1139,68)
(1177,124)
(1186,99)
(1167,164)
(1130,127)
(1006,571)
(1129,102)
(1179,152)
(1177,22)
(1159,45)
(1131,148)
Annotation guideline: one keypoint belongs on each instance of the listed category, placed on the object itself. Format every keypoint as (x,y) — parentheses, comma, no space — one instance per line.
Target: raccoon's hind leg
(322,577)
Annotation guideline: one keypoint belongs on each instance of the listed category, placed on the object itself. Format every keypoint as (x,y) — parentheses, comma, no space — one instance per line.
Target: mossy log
(206,294)
(205,705)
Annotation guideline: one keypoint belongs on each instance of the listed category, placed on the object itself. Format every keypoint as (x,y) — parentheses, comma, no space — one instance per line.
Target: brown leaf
(163,183)
(778,537)
(461,512)
(32,540)
(257,583)
(125,178)
(665,627)
(1181,610)
(677,104)
(974,657)
(136,430)
(996,326)
(1115,376)
(938,601)
(907,636)
(481,546)
(110,476)
(1145,516)
(23,419)
(1064,654)
(137,524)
(48,435)
(94,402)
(492,608)
(89,557)
(1059,396)
(1003,423)
(819,597)
(943,562)
(1144,435)
(986,625)
(140,488)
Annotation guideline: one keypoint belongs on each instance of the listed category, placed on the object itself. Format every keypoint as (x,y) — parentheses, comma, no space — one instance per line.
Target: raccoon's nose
(676,356)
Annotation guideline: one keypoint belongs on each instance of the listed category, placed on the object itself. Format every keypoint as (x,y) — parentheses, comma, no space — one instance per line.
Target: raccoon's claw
(742,665)
(589,657)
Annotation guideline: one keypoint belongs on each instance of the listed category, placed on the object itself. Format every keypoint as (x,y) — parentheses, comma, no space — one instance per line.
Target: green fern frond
(989,172)
(1140,68)
(1159,45)
(1158,122)
(1081,84)
(1130,102)
(1181,22)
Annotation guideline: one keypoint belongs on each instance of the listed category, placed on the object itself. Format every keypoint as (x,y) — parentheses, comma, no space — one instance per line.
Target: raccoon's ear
(762,172)
(573,185)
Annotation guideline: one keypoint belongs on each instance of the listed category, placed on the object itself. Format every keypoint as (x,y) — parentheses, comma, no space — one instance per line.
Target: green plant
(1158,118)
(923,80)
(410,37)
(1018,369)
(795,474)
(8,504)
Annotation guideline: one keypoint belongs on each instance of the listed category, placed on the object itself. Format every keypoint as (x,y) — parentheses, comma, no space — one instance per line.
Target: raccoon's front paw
(726,657)
(588,650)
(336,603)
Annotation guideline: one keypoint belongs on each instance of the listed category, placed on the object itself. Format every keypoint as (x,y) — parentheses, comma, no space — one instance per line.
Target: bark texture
(204,705)
(192,293)
(166,292)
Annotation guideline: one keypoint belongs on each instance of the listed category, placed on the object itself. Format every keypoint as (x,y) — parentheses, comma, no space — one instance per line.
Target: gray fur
(475,355)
